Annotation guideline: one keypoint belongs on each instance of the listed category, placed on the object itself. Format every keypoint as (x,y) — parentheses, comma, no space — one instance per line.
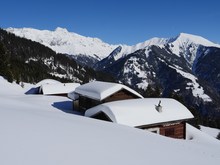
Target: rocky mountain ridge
(93,49)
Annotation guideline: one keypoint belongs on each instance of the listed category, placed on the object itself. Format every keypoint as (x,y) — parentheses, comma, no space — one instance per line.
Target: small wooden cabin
(37,89)
(159,115)
(97,92)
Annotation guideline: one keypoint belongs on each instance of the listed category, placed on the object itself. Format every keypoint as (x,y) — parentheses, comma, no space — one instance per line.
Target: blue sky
(117,21)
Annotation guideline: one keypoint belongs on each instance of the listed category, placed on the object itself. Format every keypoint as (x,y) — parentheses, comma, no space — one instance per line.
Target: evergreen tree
(5,64)
(218,136)
(151,92)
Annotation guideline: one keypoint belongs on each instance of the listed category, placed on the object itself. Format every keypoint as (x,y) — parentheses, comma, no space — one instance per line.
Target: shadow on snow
(65,106)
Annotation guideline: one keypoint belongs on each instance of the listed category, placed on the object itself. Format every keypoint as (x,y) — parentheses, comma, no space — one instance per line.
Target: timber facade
(86,102)
(172,129)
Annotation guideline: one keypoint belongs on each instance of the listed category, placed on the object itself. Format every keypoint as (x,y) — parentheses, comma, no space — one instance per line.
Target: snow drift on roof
(58,88)
(73,96)
(100,90)
(138,112)
(47,81)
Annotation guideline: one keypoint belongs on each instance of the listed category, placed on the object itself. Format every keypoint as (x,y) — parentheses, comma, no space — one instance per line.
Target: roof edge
(162,123)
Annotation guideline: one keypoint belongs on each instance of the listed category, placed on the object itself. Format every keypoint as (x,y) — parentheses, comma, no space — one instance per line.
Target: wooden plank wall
(121,95)
(86,103)
(174,131)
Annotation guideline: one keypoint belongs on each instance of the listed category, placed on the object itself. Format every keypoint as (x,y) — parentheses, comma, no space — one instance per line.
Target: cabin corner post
(184,130)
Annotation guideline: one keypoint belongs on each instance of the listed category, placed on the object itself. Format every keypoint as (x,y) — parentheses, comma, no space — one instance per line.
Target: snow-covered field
(211,131)
(36,129)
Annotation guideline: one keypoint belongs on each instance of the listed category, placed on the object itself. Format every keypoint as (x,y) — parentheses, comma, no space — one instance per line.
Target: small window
(169,132)
(154,130)
(101,116)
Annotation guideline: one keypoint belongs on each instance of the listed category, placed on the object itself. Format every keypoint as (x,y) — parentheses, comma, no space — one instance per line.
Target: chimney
(158,107)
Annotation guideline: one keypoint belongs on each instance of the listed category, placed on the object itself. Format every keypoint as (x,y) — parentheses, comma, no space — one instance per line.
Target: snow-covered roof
(99,90)
(139,112)
(47,81)
(73,96)
(58,88)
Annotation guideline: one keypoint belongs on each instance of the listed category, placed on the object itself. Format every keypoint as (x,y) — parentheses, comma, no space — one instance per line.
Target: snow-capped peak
(184,38)
(143,45)
(183,45)
(187,45)
(63,41)
(61,30)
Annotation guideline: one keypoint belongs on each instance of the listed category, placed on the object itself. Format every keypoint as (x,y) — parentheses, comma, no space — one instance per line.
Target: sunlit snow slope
(37,130)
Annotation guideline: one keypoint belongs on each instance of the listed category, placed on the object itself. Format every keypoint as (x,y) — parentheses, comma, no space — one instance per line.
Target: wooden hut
(159,115)
(97,92)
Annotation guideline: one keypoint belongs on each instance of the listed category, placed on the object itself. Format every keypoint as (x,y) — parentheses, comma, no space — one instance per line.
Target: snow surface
(99,90)
(184,38)
(138,112)
(47,81)
(12,88)
(200,137)
(58,88)
(38,129)
(210,131)
(197,90)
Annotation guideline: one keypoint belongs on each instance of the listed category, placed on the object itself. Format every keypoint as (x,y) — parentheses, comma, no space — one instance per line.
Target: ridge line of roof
(90,90)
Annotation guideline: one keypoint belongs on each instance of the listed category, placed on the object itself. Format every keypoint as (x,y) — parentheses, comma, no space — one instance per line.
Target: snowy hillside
(210,131)
(39,129)
(66,42)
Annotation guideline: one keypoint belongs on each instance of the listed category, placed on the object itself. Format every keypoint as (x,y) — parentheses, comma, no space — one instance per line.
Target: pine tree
(5,64)
(151,92)
(218,136)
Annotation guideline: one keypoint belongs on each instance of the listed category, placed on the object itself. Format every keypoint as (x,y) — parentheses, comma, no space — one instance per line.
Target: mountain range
(185,67)
(62,41)
(23,60)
